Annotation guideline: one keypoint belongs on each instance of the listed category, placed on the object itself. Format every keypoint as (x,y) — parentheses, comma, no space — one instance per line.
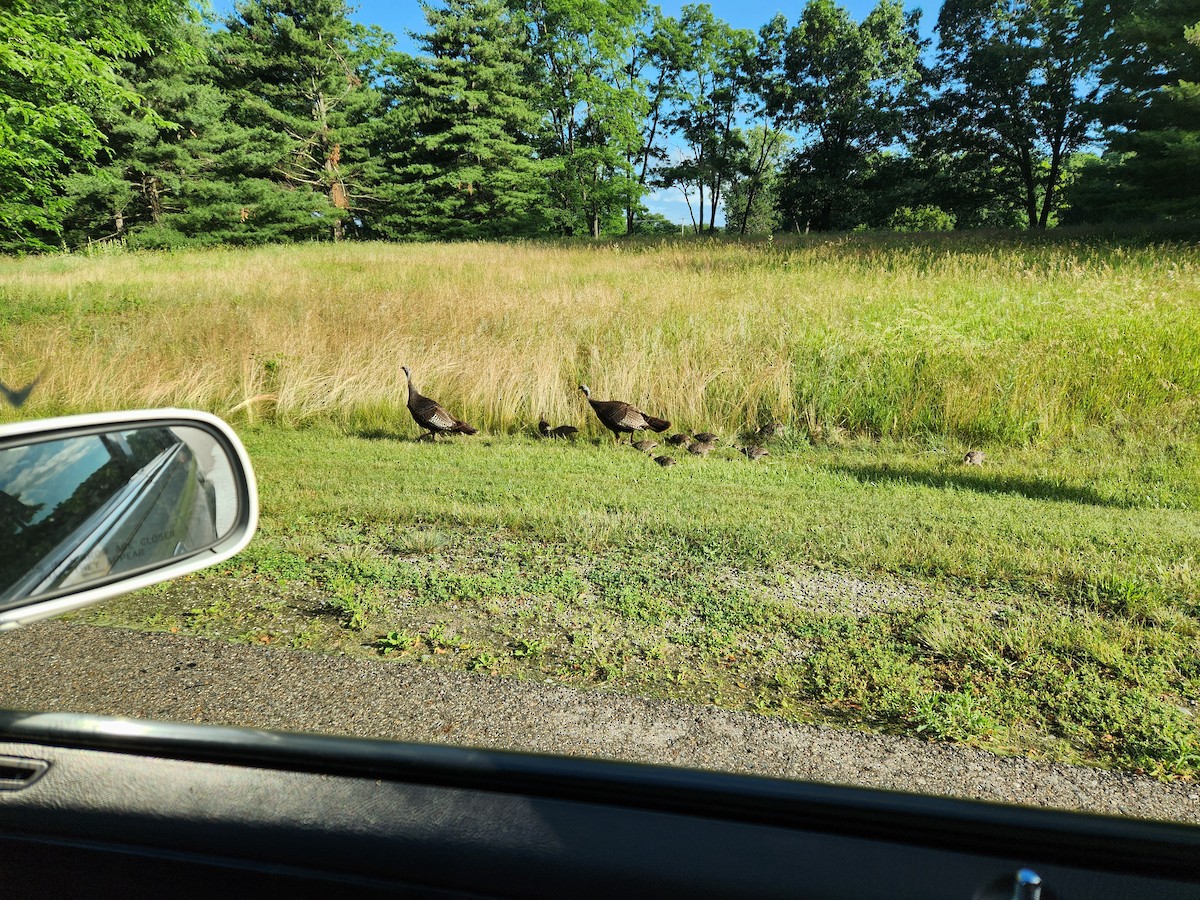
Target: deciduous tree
(59,64)
(1019,78)
(711,93)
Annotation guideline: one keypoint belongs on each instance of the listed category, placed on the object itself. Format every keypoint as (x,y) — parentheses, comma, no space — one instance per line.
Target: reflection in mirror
(78,510)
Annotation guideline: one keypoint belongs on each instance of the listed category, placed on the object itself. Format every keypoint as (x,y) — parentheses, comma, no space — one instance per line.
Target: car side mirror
(97,505)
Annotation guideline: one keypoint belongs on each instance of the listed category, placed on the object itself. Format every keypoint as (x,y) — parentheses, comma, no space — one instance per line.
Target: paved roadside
(56,666)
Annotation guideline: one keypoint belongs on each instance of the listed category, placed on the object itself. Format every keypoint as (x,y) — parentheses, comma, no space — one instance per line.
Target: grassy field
(968,338)
(1047,603)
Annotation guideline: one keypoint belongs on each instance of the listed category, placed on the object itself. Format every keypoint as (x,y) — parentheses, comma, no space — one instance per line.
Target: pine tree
(1151,111)
(462,144)
(299,74)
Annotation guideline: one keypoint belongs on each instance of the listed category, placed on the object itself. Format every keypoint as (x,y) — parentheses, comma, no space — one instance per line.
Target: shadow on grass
(378,434)
(386,434)
(978,480)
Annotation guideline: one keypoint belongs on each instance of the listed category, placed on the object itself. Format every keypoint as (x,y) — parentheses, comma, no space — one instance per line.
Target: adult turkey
(431,415)
(621,418)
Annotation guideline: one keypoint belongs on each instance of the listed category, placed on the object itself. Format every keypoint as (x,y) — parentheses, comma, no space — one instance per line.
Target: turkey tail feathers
(657,424)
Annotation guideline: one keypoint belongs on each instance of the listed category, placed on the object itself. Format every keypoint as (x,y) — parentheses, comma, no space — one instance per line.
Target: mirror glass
(81,510)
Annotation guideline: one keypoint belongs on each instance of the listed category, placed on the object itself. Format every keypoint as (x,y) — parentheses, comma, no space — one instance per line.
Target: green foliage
(139,126)
(298,77)
(466,168)
(921,218)
(592,109)
(751,200)
(849,85)
(58,77)
(710,59)
(1018,84)
(1151,108)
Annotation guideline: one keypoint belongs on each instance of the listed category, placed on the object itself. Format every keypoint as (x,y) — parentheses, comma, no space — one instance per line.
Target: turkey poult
(430,415)
(623,418)
(973,458)
(559,431)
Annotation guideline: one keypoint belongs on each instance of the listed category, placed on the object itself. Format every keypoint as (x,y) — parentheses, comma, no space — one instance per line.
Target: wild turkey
(701,448)
(973,458)
(754,453)
(706,437)
(665,461)
(771,430)
(645,446)
(429,415)
(679,440)
(560,431)
(623,418)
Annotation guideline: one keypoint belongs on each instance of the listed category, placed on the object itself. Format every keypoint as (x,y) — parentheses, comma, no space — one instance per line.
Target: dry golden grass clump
(1004,342)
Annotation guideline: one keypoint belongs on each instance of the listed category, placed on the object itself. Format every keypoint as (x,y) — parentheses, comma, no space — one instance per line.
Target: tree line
(286,121)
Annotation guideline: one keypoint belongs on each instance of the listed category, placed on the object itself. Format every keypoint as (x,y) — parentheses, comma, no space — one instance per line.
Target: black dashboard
(96,806)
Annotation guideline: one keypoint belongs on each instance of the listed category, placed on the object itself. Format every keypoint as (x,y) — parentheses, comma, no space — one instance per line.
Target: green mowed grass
(1047,603)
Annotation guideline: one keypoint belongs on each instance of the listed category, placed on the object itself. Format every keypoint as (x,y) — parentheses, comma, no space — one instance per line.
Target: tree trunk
(337,189)
(153,198)
(1031,211)
(1051,184)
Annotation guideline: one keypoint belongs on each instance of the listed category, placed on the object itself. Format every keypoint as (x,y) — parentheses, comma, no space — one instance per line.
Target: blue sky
(399,17)
(405,15)
(402,16)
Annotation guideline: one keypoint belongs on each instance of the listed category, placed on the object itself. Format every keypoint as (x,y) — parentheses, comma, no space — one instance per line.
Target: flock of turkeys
(617,416)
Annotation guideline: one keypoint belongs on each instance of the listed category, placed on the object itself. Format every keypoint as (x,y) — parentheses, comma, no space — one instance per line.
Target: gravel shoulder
(57,666)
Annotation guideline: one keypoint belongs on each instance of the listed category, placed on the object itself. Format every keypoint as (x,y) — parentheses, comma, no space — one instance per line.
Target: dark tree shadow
(978,480)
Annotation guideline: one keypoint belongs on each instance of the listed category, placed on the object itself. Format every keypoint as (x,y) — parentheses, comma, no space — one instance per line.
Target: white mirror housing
(97,505)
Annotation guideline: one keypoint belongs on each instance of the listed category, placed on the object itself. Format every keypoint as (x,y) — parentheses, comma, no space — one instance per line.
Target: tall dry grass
(1008,341)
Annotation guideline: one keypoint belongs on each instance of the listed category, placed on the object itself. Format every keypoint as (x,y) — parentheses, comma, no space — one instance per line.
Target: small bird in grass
(707,437)
(678,440)
(701,448)
(771,430)
(620,417)
(559,431)
(429,415)
(18,396)
(665,461)
(973,458)
(645,446)
(754,454)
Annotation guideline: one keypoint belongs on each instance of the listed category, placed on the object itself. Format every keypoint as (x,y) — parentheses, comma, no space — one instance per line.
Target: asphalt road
(55,666)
